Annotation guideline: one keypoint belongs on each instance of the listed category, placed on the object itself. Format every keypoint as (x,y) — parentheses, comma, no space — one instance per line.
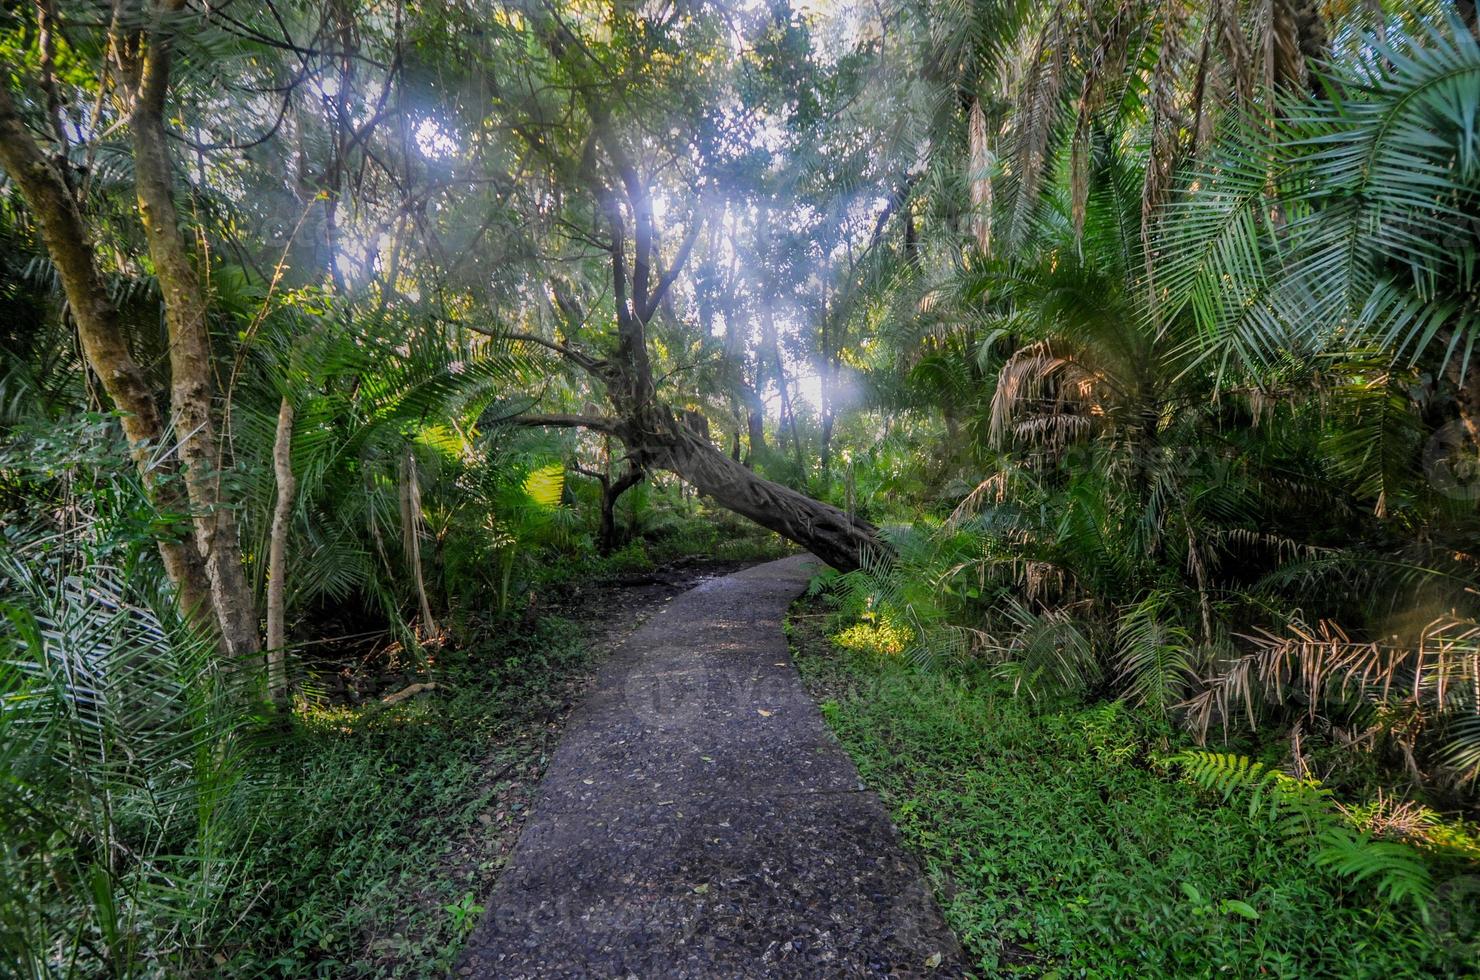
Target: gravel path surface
(698,820)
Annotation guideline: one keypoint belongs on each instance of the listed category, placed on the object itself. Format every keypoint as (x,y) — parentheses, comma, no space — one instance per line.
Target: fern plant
(1303,812)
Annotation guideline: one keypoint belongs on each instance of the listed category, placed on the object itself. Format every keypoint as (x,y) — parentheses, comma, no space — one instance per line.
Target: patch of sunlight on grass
(346,719)
(878,636)
(327,717)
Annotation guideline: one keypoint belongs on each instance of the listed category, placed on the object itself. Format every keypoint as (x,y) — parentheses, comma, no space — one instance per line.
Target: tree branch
(596,475)
(894,202)
(641,202)
(667,278)
(628,480)
(558,420)
(586,361)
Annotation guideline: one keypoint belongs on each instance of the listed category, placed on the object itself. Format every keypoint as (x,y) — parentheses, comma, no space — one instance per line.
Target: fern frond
(1304,813)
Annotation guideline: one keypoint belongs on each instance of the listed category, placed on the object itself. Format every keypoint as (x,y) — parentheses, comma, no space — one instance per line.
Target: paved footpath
(698,820)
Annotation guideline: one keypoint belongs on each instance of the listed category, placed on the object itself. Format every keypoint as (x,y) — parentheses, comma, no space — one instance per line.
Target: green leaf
(1240,908)
(545,485)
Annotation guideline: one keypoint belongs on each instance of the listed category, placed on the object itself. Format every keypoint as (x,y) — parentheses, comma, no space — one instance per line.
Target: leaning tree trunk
(657,436)
(839,539)
(68,241)
(190,351)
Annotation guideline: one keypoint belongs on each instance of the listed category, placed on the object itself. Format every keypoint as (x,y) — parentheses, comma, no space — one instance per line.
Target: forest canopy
(1108,352)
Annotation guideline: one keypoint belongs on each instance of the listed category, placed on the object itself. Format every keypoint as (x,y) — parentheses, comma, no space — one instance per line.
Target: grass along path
(1056,849)
(403,816)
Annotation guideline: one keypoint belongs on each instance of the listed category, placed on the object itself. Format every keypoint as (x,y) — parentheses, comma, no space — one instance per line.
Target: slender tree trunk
(277,553)
(606,535)
(606,539)
(611,492)
(47,27)
(70,245)
(771,339)
(824,389)
(827,388)
(190,355)
(788,416)
(755,424)
(749,396)
(827,431)
(411,537)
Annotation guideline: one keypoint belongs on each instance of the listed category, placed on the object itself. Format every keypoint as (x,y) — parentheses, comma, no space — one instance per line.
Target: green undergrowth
(1060,843)
(393,824)
(701,531)
(710,531)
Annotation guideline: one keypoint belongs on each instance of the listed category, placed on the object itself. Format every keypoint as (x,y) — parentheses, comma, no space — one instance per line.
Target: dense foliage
(1122,356)
(1058,841)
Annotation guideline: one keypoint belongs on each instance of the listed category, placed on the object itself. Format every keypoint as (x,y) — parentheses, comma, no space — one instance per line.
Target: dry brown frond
(994,486)
(1043,580)
(1409,683)
(1020,380)
(1285,548)
(1234,46)
(981,178)
(1047,399)
(1053,430)
(1393,818)
(1106,64)
(1202,119)
(1285,64)
(1079,177)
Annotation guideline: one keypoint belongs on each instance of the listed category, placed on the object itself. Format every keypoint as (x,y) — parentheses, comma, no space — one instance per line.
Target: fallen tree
(660,438)
(654,434)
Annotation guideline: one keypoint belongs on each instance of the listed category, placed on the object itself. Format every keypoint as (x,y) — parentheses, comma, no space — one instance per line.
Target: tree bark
(190,350)
(755,425)
(277,553)
(70,245)
(826,376)
(611,492)
(832,535)
(788,413)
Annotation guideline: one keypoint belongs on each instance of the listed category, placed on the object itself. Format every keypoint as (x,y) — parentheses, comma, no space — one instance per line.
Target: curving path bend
(698,820)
